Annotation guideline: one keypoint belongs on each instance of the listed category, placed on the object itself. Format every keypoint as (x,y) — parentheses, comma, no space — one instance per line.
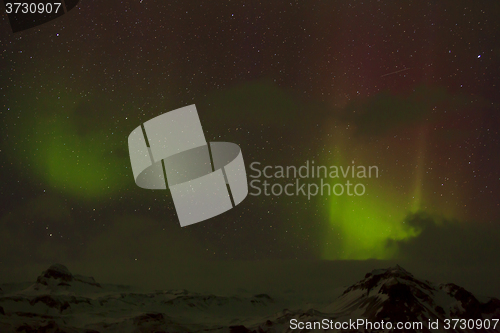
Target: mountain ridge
(59,301)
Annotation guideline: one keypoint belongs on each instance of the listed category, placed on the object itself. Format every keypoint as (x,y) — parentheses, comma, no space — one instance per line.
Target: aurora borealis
(410,87)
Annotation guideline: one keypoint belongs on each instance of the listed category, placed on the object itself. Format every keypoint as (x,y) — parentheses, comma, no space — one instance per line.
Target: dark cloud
(465,253)
(262,102)
(451,242)
(377,114)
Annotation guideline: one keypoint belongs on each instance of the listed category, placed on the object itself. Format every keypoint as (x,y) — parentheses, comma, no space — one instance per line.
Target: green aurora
(86,165)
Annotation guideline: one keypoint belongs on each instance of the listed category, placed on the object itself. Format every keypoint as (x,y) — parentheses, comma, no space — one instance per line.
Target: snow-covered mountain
(62,302)
(395,295)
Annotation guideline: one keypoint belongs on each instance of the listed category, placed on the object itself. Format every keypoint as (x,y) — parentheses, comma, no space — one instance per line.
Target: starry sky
(408,86)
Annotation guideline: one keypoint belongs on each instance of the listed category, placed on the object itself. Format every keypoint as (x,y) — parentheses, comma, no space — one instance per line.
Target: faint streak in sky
(401,70)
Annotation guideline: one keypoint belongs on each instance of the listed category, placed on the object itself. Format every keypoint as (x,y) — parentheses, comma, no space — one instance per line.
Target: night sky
(408,86)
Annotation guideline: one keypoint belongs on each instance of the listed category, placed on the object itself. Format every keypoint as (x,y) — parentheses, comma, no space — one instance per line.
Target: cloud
(450,242)
(384,111)
(261,102)
(465,253)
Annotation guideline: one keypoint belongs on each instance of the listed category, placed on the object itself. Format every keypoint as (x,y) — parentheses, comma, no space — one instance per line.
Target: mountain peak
(58,278)
(57,271)
(399,270)
(385,279)
(394,293)
(394,271)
